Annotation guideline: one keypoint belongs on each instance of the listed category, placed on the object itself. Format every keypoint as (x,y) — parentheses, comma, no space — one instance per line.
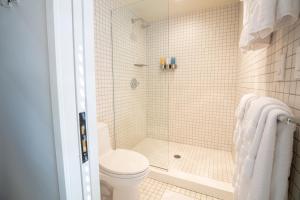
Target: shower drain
(177,156)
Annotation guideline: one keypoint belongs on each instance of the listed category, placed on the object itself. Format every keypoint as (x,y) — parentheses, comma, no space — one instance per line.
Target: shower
(144,23)
(181,120)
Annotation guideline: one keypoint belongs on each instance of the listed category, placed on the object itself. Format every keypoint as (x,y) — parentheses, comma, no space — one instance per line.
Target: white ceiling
(156,9)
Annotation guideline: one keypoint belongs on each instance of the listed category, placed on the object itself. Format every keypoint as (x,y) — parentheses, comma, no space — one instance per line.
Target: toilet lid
(124,162)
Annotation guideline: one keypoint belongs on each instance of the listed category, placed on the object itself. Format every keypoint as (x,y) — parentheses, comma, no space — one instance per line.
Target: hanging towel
(287,13)
(254,114)
(247,135)
(262,17)
(248,165)
(251,119)
(247,40)
(263,20)
(248,127)
(282,162)
(237,140)
(272,165)
(239,114)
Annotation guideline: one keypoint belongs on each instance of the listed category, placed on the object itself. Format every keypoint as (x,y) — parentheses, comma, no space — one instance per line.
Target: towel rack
(289,120)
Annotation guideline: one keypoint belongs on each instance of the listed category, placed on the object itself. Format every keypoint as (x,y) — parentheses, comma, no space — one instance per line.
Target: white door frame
(60,19)
(88,21)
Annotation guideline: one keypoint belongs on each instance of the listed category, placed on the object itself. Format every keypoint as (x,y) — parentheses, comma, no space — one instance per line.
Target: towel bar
(289,120)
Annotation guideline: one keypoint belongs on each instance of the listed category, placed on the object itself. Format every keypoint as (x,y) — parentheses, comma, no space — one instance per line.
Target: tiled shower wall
(103,58)
(256,74)
(115,98)
(193,105)
(129,48)
(157,81)
(201,92)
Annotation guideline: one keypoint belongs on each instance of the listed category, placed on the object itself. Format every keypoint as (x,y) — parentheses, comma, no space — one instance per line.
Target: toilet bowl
(122,169)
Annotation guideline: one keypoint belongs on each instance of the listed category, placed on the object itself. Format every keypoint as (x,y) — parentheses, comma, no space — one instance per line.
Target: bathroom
(182,117)
(150,100)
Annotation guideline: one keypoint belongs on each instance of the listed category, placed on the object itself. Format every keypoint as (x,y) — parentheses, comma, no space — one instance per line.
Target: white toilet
(122,169)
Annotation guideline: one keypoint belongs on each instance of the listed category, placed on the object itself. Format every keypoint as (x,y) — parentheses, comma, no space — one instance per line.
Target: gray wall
(27,143)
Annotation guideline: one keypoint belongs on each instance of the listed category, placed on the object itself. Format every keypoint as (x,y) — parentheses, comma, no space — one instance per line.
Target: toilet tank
(103,138)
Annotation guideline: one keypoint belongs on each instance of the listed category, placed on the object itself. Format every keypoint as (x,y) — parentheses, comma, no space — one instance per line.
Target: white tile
(155,190)
(195,103)
(198,161)
(170,195)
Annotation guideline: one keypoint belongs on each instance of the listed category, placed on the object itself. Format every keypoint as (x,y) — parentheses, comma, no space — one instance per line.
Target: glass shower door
(141,89)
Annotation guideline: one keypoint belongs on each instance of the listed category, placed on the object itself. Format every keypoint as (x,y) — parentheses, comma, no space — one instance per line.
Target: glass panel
(141,89)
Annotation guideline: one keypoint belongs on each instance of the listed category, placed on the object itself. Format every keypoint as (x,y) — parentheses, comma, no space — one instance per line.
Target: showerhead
(134,20)
(144,23)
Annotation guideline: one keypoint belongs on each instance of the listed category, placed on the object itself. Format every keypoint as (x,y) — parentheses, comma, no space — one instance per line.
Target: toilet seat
(124,177)
(123,163)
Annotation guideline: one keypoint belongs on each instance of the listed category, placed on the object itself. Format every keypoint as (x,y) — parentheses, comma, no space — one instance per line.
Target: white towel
(248,165)
(275,147)
(282,162)
(262,17)
(287,13)
(240,110)
(247,40)
(249,126)
(263,20)
(251,119)
(253,115)
(239,113)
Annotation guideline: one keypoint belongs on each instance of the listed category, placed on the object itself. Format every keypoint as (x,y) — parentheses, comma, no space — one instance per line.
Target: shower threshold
(203,170)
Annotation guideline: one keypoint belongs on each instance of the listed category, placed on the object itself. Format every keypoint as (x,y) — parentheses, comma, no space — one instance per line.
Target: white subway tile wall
(256,74)
(201,92)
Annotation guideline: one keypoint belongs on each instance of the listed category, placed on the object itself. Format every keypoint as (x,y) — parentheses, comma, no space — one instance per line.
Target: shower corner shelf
(140,65)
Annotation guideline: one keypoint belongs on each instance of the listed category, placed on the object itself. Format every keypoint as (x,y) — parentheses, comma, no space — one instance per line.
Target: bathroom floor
(151,189)
(199,161)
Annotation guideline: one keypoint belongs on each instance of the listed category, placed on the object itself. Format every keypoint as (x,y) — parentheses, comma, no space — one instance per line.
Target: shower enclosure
(140,87)
(181,119)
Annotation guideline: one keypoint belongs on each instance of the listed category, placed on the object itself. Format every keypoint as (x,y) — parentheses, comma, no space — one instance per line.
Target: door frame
(60,19)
